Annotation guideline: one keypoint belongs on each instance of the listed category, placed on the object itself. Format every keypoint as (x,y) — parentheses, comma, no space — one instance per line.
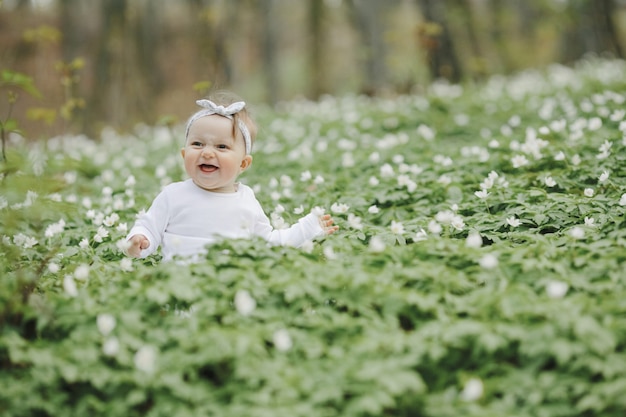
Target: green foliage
(430,301)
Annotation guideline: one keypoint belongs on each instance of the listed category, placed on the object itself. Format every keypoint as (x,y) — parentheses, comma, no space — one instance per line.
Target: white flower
(376,244)
(472,390)
(100,234)
(286,181)
(434,227)
(122,228)
(53,267)
(84,243)
(577,232)
(299,210)
(474,240)
(397,227)
(603,177)
(588,192)
(488,261)
(622,200)
(110,220)
(519,161)
(513,221)
(329,252)
(374,157)
(106,323)
(354,222)
(482,194)
(374,209)
(69,285)
(24,241)
(595,123)
(576,160)
(55,228)
(145,359)
(373,181)
(81,272)
(307,246)
(111,346)
(386,170)
(549,181)
(305,176)
(317,211)
(244,303)
(126,264)
(560,156)
(444,179)
(420,235)
(339,208)
(589,221)
(457,222)
(282,340)
(556,289)
(279,209)
(318,180)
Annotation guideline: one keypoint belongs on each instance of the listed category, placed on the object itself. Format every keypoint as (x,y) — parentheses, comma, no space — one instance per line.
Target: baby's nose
(208,151)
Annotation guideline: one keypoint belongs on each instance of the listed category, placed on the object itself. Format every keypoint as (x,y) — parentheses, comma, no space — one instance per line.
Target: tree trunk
(316,36)
(442,59)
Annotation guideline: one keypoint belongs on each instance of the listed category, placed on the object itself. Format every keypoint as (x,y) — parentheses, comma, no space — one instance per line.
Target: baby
(211,205)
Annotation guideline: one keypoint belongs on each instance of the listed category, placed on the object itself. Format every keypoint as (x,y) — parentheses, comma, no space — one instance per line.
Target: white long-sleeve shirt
(184,218)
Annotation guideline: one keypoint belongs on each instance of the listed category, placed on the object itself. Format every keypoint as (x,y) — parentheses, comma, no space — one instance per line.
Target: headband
(212,108)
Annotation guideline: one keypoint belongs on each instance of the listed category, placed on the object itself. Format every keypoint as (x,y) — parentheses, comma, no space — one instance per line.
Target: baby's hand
(137,244)
(326,221)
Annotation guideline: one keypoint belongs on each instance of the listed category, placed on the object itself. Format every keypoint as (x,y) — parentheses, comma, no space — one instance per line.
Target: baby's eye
(222,146)
(196,144)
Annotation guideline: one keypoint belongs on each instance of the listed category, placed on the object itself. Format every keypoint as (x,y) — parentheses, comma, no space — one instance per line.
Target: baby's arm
(137,243)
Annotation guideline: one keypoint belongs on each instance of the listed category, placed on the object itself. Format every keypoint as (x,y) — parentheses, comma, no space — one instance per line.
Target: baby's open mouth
(208,168)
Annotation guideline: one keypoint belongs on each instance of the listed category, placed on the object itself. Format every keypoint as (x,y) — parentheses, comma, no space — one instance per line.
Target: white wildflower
(307,246)
(69,285)
(560,156)
(306,176)
(488,261)
(420,235)
(549,181)
(590,221)
(434,227)
(556,289)
(299,209)
(318,211)
(576,160)
(386,170)
(472,390)
(577,233)
(145,359)
(474,240)
(282,340)
(244,303)
(376,244)
(457,222)
(339,208)
(126,264)
(354,222)
(111,346)
(603,177)
(373,209)
(55,228)
(318,180)
(589,192)
(106,323)
(482,194)
(397,227)
(444,179)
(329,252)
(513,221)
(622,200)
(595,123)
(53,267)
(519,161)
(84,243)
(81,273)
(373,181)
(101,234)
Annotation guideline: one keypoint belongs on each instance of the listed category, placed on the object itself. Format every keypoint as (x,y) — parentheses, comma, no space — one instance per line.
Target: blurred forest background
(121,62)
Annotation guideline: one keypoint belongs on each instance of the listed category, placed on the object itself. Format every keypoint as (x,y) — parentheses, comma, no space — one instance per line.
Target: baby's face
(213,157)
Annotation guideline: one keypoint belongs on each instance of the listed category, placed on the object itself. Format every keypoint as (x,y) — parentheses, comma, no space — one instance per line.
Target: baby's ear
(246,162)
(182,152)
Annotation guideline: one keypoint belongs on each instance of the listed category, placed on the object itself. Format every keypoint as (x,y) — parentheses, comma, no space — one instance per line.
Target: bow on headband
(212,108)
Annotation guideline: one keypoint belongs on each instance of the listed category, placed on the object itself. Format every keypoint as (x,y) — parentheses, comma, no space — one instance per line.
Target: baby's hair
(226,98)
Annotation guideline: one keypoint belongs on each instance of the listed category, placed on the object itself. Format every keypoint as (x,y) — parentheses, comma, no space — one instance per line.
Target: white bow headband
(212,108)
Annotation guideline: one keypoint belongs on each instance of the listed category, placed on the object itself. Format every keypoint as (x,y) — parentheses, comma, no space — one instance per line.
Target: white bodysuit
(184,218)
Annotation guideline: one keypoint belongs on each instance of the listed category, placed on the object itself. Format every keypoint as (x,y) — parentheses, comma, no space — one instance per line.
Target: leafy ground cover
(479,270)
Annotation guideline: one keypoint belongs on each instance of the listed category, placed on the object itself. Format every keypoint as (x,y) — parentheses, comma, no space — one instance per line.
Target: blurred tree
(590,28)
(437,41)
(368,16)
(318,85)
(269,47)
